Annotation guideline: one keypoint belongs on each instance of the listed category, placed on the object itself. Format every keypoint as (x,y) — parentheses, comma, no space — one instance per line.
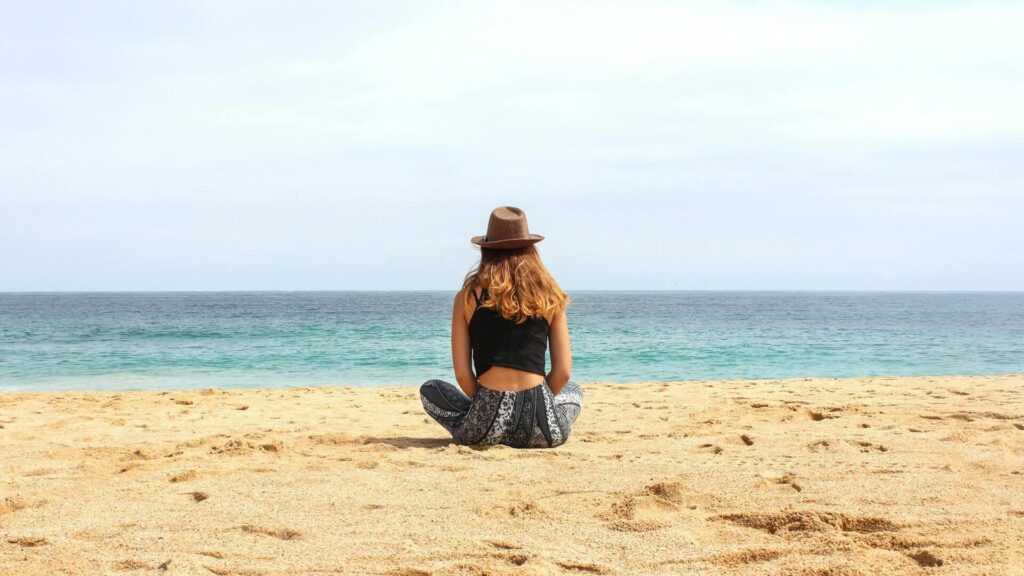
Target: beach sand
(807,476)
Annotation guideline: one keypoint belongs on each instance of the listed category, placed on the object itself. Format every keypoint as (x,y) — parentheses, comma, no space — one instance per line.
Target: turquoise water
(180,340)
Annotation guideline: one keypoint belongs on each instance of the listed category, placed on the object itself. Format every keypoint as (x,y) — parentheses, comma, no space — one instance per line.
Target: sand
(808,476)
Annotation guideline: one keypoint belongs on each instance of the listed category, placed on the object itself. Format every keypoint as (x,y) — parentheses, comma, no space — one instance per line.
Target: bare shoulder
(557,318)
(462,305)
(459,302)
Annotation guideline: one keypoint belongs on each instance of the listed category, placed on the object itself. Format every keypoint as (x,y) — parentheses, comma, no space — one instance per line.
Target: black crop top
(498,341)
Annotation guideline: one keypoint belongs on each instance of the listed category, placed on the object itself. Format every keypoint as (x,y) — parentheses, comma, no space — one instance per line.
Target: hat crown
(507,223)
(507,230)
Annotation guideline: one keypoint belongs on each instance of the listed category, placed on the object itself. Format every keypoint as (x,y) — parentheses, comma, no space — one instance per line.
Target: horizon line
(450,290)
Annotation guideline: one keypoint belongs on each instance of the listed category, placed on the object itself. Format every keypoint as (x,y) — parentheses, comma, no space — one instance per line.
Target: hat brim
(509,244)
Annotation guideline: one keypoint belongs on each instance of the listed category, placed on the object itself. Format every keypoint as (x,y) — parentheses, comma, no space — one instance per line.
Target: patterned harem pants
(533,418)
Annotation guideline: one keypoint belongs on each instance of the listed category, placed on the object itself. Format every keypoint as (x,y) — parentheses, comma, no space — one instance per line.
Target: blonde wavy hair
(518,284)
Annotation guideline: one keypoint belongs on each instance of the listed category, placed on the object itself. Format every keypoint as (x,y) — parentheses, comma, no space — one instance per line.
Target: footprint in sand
(834,445)
(741,558)
(651,509)
(819,416)
(869,447)
(212,554)
(236,447)
(126,565)
(10,505)
(28,541)
(184,476)
(131,466)
(809,521)
(926,559)
(844,569)
(279,533)
(525,510)
(789,479)
(515,559)
(819,445)
(583,568)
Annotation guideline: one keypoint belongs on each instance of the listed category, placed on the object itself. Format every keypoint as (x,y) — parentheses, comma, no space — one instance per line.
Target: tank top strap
(478,299)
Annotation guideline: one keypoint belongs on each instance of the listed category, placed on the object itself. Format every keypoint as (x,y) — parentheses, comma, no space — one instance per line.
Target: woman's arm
(460,346)
(561,353)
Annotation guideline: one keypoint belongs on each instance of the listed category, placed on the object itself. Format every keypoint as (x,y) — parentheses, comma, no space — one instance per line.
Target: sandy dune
(811,477)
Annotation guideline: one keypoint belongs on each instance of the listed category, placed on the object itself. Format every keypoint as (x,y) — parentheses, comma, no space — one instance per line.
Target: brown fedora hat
(507,230)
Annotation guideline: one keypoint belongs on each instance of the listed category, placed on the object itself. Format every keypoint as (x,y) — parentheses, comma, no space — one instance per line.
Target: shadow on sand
(404,442)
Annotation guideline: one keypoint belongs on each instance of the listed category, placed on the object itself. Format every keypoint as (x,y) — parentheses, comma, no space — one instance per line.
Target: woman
(502,319)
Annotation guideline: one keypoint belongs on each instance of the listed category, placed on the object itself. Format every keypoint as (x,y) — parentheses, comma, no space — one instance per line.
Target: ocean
(53,341)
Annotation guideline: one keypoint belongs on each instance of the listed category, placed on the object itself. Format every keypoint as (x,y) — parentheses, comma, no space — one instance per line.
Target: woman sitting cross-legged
(502,319)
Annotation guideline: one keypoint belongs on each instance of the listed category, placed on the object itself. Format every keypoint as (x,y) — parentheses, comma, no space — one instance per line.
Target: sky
(833,145)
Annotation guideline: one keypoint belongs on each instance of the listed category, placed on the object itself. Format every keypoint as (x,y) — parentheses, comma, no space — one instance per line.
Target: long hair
(518,284)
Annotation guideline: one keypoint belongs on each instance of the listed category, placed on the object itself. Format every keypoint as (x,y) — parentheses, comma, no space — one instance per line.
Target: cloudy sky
(662,145)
